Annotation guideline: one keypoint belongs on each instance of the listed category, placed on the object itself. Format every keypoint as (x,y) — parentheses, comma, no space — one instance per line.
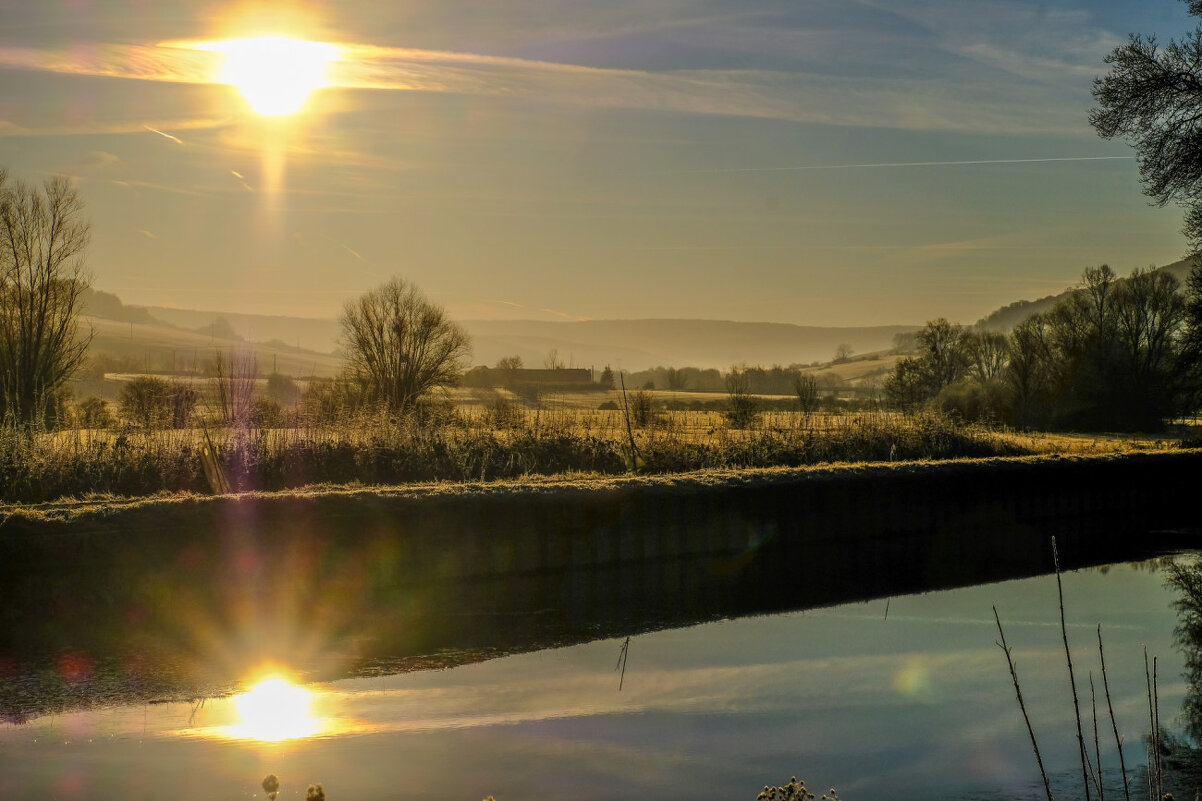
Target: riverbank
(376,449)
(442,536)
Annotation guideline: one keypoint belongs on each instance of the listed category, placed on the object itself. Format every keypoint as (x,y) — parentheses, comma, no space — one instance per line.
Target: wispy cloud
(890,164)
(951,103)
(159,127)
(160,187)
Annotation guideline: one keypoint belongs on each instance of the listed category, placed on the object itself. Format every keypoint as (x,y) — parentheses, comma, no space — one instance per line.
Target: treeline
(1115,354)
(774,380)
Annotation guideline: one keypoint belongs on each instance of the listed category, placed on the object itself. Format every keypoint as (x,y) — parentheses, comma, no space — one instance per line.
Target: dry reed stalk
(1072,680)
(1097,750)
(1022,705)
(1154,777)
(1118,743)
(1156,708)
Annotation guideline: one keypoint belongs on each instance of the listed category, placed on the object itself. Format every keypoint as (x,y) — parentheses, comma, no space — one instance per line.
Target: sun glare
(275,74)
(274,710)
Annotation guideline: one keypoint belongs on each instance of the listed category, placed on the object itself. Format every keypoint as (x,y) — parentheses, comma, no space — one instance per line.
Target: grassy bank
(379,450)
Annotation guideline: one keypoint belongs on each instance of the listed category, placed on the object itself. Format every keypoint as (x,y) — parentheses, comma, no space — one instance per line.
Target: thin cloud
(101,129)
(563,315)
(176,190)
(891,164)
(950,103)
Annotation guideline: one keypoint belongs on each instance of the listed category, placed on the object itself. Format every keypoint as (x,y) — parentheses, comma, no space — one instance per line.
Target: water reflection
(912,708)
(274,710)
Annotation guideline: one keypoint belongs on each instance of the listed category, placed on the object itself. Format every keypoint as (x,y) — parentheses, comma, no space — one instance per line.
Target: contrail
(175,139)
(915,164)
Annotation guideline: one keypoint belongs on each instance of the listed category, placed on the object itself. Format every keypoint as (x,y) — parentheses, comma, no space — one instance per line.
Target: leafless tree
(1152,97)
(235,379)
(43,235)
(987,353)
(805,387)
(400,345)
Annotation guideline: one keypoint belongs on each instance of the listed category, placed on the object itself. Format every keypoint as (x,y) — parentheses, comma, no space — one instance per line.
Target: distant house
(576,379)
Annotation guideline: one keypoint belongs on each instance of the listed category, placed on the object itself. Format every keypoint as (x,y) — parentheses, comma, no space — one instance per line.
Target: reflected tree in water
(1186,578)
(1182,759)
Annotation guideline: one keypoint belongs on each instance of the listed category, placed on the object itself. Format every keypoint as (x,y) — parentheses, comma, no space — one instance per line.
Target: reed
(447,443)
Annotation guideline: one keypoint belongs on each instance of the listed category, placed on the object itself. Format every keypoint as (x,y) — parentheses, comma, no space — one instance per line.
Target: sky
(819,162)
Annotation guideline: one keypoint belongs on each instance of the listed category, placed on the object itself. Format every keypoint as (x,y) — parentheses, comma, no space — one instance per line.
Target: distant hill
(631,344)
(156,347)
(641,344)
(1009,316)
(107,306)
(308,333)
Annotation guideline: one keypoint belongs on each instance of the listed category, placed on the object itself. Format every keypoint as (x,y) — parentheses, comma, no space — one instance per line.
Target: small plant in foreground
(793,791)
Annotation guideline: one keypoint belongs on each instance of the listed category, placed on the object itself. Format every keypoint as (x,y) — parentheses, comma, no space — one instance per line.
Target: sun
(275,74)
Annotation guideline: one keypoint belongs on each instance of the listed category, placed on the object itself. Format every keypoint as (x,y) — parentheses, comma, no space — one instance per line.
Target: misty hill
(1009,316)
(107,306)
(640,344)
(308,333)
(155,347)
(631,344)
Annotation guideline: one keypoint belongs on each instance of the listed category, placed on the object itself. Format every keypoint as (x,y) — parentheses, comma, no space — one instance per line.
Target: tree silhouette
(1152,98)
(401,345)
(43,236)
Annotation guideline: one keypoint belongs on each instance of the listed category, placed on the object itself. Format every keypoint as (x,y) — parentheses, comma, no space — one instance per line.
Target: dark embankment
(180,597)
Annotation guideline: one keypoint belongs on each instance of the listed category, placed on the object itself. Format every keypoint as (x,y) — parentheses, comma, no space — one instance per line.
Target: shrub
(642,407)
(742,407)
(328,401)
(93,412)
(145,402)
(282,389)
(266,413)
(503,412)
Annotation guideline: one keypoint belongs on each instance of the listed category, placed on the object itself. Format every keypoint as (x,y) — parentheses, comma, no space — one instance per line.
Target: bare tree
(805,387)
(400,345)
(742,407)
(1152,98)
(43,235)
(508,367)
(987,353)
(235,378)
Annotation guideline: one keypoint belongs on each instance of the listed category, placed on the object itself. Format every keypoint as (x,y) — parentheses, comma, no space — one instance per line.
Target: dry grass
(463,444)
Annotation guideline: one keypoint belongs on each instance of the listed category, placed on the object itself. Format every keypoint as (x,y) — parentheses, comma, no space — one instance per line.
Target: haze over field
(828,163)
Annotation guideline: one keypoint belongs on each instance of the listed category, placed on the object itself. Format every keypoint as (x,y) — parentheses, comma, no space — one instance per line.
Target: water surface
(906,697)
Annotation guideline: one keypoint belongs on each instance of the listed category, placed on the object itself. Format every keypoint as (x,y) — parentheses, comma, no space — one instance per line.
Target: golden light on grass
(275,74)
(274,709)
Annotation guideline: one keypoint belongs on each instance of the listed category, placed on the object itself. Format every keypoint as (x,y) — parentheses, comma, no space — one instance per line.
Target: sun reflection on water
(275,710)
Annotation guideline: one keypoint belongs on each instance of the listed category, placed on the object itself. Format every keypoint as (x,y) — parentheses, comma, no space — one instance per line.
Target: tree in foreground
(43,235)
(1152,98)
(400,345)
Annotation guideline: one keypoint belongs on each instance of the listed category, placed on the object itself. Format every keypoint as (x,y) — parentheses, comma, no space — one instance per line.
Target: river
(904,697)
